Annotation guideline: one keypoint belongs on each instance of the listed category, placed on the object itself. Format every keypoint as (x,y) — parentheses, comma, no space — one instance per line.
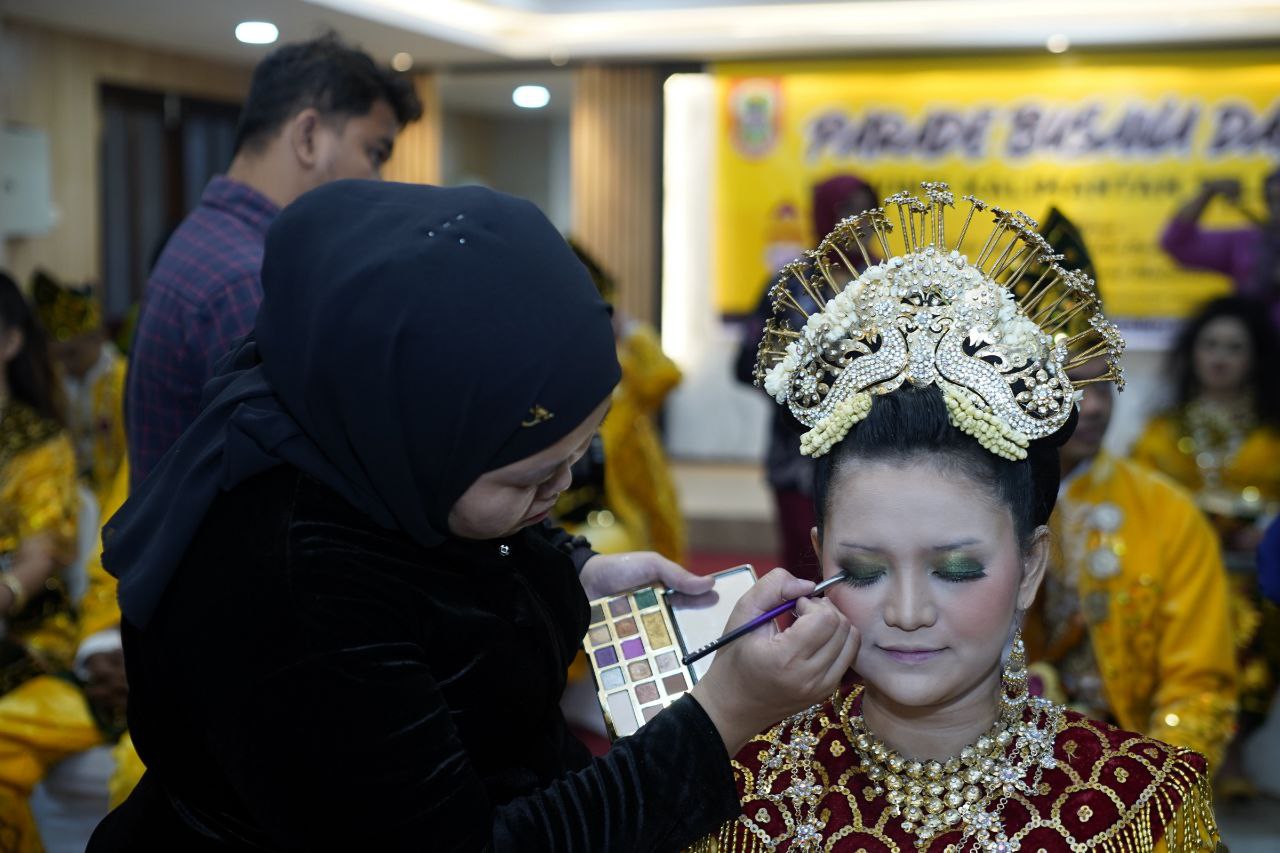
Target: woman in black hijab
(346,625)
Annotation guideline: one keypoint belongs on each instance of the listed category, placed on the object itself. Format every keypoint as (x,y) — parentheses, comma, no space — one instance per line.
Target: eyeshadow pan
(620,606)
(647,692)
(640,670)
(611,678)
(651,712)
(666,662)
(656,629)
(600,635)
(597,614)
(633,648)
(606,656)
(623,713)
(675,683)
(625,627)
(645,598)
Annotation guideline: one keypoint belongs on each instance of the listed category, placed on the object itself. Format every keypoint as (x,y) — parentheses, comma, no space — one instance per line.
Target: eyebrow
(949,546)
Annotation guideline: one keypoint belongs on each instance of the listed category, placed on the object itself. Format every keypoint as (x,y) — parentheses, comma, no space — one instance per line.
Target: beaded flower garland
(997,335)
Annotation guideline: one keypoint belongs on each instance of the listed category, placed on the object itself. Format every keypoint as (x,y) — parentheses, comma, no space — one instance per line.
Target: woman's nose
(910,605)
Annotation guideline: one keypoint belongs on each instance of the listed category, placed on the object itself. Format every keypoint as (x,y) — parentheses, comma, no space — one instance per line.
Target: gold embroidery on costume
(797,791)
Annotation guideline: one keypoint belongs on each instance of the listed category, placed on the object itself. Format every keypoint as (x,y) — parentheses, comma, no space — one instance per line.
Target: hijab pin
(537,415)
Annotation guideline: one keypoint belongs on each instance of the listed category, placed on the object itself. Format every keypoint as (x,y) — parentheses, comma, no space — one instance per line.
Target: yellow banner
(1117,142)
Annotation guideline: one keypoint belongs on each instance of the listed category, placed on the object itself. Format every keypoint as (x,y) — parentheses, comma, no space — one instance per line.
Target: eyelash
(863,580)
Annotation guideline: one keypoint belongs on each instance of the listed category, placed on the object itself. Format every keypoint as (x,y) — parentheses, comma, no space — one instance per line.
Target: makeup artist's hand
(605,574)
(767,675)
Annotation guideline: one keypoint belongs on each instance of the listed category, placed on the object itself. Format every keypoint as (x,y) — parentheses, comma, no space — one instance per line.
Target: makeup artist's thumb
(674,576)
(775,588)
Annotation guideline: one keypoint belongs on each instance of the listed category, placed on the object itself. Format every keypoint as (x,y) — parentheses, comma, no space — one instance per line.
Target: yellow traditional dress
(1134,612)
(1058,782)
(95,417)
(1232,467)
(37,497)
(47,718)
(635,506)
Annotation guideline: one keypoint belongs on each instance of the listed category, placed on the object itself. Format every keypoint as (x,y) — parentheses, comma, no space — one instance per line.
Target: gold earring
(1014,675)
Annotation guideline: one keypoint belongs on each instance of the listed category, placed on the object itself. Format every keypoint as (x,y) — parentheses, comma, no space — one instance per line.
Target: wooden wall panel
(615,158)
(416,157)
(49,79)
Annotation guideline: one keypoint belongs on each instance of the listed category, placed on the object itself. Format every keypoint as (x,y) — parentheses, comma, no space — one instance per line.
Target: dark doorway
(158,151)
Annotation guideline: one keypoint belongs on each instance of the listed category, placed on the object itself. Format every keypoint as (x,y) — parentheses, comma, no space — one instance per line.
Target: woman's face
(1221,357)
(936,575)
(504,500)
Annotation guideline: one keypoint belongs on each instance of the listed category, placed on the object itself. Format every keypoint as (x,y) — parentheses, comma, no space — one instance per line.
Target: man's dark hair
(337,80)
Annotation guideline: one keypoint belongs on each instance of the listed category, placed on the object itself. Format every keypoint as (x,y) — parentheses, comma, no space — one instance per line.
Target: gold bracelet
(15,588)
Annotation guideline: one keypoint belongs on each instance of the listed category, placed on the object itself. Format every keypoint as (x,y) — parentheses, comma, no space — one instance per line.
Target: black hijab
(410,339)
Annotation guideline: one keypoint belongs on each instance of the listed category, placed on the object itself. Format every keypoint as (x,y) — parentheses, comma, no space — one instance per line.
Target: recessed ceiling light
(402,61)
(257,32)
(531,97)
(1057,43)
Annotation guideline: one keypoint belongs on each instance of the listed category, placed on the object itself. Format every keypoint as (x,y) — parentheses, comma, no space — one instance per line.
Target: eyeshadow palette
(637,638)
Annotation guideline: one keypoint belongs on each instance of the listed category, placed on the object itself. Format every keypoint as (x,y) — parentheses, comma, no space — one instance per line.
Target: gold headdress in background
(997,334)
(65,311)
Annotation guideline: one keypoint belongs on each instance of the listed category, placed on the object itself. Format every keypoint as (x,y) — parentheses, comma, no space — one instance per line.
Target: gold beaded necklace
(936,797)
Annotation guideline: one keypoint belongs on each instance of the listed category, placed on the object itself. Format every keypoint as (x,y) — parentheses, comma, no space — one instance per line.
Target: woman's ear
(1035,562)
(817,546)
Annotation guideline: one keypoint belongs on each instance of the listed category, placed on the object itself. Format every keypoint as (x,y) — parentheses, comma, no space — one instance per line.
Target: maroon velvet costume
(1110,790)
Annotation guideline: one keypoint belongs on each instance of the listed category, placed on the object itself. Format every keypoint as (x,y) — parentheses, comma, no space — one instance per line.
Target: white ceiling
(207,27)
(491,32)
(707,29)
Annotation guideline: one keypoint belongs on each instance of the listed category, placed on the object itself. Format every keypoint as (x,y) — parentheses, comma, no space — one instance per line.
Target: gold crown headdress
(996,334)
(65,311)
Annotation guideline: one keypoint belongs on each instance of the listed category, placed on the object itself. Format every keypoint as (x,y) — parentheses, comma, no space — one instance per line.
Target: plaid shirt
(203,295)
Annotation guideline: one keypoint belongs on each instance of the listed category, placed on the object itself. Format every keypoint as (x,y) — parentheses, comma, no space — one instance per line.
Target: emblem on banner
(755,105)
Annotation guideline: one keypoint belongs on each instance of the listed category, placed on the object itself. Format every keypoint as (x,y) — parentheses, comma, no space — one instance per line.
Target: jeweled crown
(997,334)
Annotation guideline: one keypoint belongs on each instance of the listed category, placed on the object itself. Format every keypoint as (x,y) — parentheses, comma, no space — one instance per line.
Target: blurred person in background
(1250,255)
(317,111)
(1221,440)
(622,497)
(1130,626)
(790,474)
(38,514)
(92,372)
(1133,621)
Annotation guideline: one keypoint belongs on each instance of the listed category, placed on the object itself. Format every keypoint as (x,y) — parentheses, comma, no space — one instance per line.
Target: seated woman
(38,506)
(935,406)
(1221,438)
(1221,441)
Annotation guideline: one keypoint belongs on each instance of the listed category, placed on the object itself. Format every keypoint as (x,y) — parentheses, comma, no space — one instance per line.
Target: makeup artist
(346,626)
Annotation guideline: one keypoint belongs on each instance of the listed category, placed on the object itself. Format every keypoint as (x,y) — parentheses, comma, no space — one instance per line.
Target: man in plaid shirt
(317,111)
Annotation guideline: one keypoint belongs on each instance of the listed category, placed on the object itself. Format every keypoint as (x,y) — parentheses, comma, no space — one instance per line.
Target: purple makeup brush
(748,627)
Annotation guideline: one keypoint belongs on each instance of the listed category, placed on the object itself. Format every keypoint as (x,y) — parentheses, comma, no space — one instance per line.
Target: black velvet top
(314,681)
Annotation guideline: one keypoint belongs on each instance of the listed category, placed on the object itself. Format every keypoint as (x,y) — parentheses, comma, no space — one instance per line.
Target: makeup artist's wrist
(732,730)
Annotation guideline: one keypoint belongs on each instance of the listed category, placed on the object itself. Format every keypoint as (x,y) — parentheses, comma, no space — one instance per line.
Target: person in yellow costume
(38,513)
(1221,440)
(1133,623)
(92,372)
(52,717)
(623,498)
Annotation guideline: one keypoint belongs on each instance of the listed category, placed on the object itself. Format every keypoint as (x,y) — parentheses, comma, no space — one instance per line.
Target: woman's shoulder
(1113,784)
